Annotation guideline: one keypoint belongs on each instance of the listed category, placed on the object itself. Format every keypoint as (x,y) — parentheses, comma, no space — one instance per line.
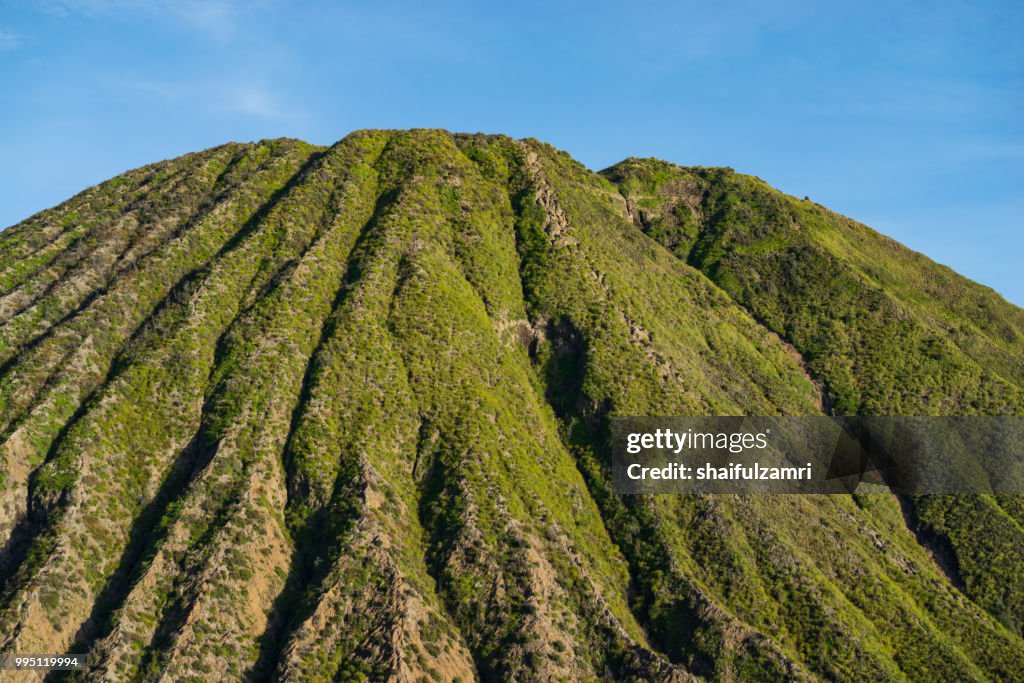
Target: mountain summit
(274,411)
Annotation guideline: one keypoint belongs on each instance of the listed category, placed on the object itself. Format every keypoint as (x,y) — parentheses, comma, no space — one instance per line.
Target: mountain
(274,411)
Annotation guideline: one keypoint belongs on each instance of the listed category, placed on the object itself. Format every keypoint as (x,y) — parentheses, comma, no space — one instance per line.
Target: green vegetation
(272,411)
(886,331)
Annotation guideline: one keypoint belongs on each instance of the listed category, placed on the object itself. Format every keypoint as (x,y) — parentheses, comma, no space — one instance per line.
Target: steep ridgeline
(886,330)
(280,412)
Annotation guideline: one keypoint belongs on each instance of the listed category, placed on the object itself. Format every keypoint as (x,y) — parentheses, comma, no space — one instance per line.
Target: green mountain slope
(280,412)
(888,331)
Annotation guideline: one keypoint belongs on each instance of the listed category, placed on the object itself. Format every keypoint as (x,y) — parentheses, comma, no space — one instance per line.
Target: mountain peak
(273,410)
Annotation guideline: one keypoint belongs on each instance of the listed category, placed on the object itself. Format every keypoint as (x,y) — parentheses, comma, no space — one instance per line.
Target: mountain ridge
(396,356)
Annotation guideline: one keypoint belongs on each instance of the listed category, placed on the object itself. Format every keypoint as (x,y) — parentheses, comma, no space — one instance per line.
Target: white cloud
(219,19)
(223,95)
(991,150)
(254,100)
(9,40)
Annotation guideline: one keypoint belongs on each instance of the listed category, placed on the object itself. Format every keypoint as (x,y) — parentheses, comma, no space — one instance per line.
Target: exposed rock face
(274,411)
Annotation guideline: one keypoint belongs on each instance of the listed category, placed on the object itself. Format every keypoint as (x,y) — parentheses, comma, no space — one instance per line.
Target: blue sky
(907,116)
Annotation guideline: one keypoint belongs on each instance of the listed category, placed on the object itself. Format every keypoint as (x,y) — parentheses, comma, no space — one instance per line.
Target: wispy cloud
(255,100)
(218,19)
(991,150)
(9,40)
(223,95)
(215,18)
